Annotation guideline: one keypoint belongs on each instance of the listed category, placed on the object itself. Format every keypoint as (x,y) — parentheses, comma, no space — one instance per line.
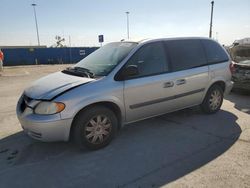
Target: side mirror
(129,71)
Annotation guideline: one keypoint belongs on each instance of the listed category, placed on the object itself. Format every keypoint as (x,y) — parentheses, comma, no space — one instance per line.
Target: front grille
(27,99)
(35,134)
(24,102)
(23,105)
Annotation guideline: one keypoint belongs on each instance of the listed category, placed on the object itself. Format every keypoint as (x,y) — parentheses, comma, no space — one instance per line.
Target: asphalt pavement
(181,149)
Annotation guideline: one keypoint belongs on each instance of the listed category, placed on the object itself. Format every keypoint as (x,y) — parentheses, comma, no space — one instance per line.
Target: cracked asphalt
(181,149)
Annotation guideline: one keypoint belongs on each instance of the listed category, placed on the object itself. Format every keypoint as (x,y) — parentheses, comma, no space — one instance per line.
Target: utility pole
(127,24)
(211,20)
(37,33)
(70,52)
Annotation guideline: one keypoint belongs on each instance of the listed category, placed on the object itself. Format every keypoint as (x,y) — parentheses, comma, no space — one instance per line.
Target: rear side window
(186,54)
(214,52)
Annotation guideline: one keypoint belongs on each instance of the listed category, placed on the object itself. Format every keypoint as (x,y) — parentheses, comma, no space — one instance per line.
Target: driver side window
(150,60)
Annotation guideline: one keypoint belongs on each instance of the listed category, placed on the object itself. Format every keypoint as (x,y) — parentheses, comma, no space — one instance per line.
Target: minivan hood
(52,85)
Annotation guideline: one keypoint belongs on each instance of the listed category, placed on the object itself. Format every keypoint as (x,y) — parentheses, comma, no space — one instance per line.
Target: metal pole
(70,52)
(211,20)
(37,33)
(127,24)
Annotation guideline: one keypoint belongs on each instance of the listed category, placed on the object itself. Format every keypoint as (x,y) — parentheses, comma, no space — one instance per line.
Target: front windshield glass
(246,62)
(103,61)
(240,54)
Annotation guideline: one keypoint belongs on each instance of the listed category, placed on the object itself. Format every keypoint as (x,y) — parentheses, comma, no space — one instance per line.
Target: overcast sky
(83,20)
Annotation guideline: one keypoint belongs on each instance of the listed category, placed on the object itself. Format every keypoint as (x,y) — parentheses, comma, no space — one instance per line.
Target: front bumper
(47,128)
(47,131)
(242,85)
(241,79)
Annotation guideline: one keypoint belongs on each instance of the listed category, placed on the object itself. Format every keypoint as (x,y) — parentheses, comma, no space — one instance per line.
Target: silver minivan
(124,82)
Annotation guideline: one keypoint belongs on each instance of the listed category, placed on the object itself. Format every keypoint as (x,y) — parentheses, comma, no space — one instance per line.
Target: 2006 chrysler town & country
(123,82)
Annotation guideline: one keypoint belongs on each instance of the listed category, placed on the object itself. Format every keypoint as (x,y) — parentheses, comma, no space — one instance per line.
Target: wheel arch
(110,105)
(220,83)
(205,105)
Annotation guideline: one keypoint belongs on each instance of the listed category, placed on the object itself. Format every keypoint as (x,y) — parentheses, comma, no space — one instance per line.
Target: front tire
(213,100)
(94,127)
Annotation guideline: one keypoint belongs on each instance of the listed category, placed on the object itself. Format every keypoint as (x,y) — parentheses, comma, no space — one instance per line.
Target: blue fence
(32,56)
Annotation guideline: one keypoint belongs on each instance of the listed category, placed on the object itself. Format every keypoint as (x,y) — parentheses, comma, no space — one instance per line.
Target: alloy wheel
(215,99)
(98,129)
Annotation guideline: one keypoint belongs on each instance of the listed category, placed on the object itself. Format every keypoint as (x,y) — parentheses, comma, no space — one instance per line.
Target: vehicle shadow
(241,100)
(150,153)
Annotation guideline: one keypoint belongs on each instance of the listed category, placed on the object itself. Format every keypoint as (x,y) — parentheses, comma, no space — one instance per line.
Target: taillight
(232,67)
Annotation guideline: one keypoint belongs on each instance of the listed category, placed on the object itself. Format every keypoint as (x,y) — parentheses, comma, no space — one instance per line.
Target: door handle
(168,84)
(180,82)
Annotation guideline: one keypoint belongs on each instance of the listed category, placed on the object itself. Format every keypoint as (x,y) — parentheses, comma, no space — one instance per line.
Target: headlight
(48,108)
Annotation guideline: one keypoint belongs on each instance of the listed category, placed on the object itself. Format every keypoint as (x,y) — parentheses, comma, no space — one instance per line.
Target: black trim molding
(134,106)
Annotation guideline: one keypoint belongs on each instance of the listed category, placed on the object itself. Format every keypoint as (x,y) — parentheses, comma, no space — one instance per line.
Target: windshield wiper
(79,71)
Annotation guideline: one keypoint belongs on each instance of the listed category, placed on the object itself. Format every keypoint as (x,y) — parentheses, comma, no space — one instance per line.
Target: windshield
(104,60)
(246,62)
(240,54)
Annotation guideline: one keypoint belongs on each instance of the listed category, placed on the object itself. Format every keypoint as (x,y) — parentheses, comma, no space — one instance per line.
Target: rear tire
(94,127)
(213,100)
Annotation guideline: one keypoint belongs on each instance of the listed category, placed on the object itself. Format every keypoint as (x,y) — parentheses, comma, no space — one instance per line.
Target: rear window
(214,52)
(186,54)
